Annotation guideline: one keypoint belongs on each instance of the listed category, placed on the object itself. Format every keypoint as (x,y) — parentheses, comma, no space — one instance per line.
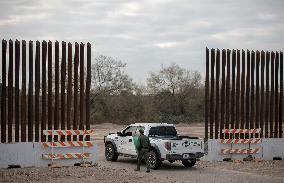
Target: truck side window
(163,131)
(129,129)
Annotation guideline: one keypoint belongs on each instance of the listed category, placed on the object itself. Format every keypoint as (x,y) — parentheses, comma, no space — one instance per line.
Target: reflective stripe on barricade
(256,130)
(240,141)
(68,132)
(68,144)
(241,151)
(66,156)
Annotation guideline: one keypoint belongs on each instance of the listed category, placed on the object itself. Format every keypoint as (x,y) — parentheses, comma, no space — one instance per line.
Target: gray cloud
(146,34)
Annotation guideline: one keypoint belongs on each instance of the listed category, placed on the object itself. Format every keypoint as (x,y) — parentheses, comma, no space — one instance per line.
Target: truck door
(132,141)
(127,144)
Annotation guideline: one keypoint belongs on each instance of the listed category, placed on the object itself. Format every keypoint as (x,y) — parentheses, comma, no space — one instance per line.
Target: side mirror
(119,134)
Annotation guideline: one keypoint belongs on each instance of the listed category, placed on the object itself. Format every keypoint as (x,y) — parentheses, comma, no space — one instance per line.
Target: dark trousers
(141,153)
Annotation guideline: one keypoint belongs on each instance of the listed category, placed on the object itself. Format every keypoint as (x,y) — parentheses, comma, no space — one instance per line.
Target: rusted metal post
(276,121)
(17,91)
(43,111)
(252,102)
(3,95)
(248,93)
(262,107)
(272,96)
(233,110)
(10,92)
(82,89)
(63,80)
(207,94)
(281,97)
(76,64)
(257,91)
(228,88)
(223,93)
(88,87)
(217,94)
(56,97)
(237,122)
(23,95)
(267,93)
(69,90)
(30,97)
(212,93)
(49,126)
(243,88)
(37,88)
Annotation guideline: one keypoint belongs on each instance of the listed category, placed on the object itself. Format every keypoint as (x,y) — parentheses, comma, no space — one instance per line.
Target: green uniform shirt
(143,142)
(135,140)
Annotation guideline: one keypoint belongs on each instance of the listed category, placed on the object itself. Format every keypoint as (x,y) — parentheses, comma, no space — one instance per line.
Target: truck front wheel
(110,153)
(154,160)
(188,163)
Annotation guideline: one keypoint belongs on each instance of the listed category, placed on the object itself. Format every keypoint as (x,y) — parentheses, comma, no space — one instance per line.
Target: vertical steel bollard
(52,141)
(83,156)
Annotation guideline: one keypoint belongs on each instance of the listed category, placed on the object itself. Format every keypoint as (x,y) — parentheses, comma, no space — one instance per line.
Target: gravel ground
(122,170)
(266,168)
(76,174)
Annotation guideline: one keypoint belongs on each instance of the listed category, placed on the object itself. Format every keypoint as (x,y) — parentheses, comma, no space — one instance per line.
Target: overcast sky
(146,34)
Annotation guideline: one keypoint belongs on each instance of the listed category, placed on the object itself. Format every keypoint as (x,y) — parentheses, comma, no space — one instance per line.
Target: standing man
(143,147)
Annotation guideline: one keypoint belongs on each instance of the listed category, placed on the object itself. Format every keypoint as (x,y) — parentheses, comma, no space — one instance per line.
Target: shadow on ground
(177,166)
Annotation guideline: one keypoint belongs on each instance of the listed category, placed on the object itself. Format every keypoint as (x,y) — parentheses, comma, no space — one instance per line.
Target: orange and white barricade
(81,145)
(238,142)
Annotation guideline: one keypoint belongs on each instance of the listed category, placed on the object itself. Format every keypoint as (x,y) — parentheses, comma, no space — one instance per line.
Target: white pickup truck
(166,144)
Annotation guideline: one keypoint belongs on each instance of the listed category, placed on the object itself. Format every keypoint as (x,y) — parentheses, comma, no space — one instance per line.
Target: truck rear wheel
(154,160)
(188,163)
(110,153)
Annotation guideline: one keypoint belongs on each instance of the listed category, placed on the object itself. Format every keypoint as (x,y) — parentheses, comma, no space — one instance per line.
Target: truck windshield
(164,131)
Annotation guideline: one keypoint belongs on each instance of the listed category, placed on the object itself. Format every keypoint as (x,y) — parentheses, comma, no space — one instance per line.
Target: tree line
(172,94)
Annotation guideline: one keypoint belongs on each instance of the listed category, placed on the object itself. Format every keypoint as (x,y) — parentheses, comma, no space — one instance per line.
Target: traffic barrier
(237,141)
(67,144)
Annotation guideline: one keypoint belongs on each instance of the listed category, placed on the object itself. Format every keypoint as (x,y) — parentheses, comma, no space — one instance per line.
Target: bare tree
(173,79)
(109,77)
(175,90)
